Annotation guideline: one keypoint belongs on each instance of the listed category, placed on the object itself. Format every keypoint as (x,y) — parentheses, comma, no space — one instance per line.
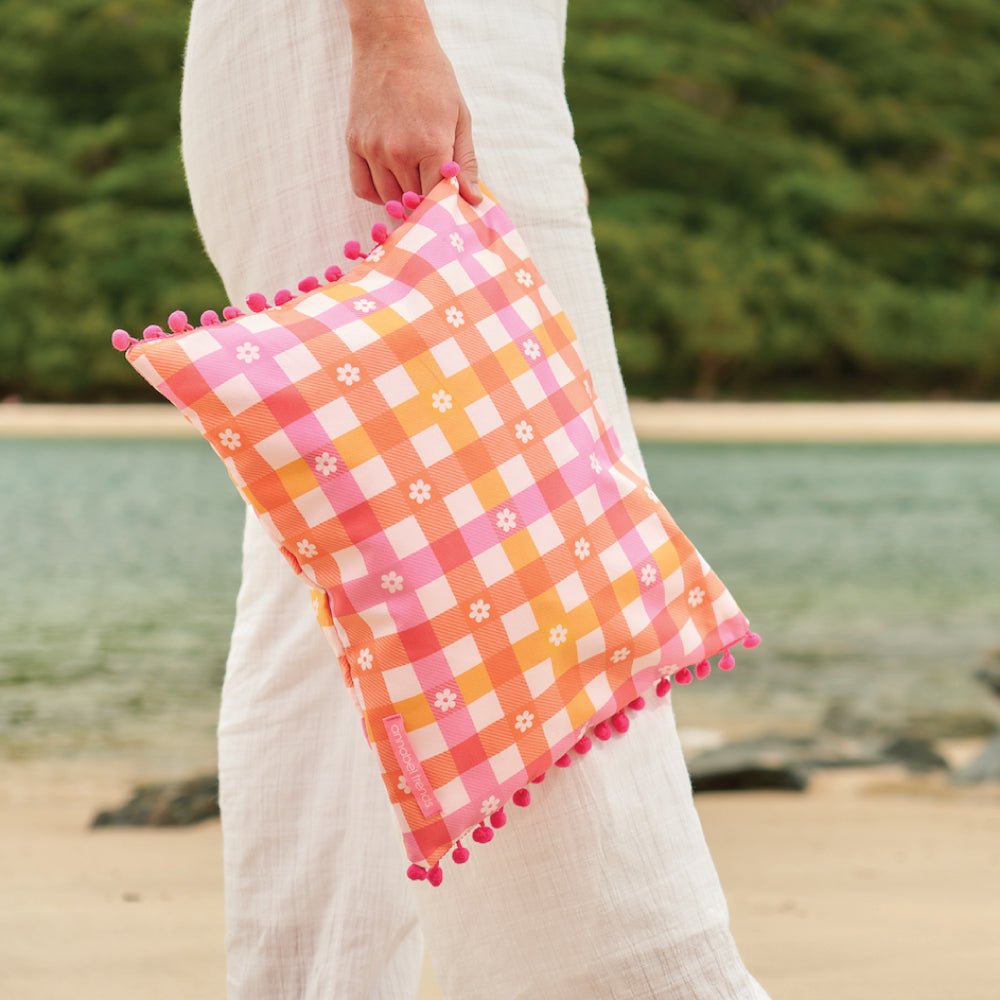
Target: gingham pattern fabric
(423,441)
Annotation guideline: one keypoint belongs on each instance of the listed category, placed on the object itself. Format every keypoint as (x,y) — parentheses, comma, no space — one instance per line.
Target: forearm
(374,21)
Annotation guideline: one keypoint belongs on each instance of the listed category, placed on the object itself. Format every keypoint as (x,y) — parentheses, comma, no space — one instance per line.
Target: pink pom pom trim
(352,249)
(308,283)
(178,321)
(209,318)
(411,199)
(122,340)
(450,169)
(483,834)
(395,209)
(281,296)
(257,302)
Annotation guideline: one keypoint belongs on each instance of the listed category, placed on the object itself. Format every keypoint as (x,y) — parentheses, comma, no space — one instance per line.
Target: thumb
(465,156)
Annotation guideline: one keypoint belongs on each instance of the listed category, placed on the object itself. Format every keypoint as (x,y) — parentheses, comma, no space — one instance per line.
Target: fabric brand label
(412,770)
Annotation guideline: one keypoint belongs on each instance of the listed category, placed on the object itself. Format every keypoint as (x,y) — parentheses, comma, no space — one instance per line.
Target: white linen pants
(604,886)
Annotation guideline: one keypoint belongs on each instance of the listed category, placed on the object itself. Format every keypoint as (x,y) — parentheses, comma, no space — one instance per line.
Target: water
(871,571)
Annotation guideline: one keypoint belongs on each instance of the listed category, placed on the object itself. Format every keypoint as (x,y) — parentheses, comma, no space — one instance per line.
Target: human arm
(407,115)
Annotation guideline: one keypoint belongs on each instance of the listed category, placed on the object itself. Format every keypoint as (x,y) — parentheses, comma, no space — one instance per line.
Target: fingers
(465,156)
(361,178)
(385,182)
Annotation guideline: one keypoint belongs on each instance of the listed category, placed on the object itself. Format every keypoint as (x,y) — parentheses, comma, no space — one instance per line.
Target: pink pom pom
(379,232)
(435,875)
(620,721)
(603,730)
(482,834)
(460,855)
(703,669)
(152,332)
(352,249)
(662,687)
(395,209)
(450,169)
(122,340)
(177,321)
(637,704)
(281,296)
(750,640)
(411,199)
(308,283)
(333,273)
(538,779)
(416,872)
(498,819)
(257,301)
(231,312)
(583,744)
(209,318)
(683,676)
(522,797)
(727,662)
(564,761)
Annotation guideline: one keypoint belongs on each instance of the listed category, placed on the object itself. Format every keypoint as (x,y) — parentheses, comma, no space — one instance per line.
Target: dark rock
(917,755)
(750,776)
(986,767)
(990,674)
(172,803)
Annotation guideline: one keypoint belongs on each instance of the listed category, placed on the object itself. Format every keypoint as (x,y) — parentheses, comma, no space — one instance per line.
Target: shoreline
(654,420)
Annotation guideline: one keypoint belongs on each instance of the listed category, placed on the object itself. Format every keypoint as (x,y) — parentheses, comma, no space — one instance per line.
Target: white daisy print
(441,400)
(558,634)
(457,242)
(524,278)
(348,374)
(365,658)
(392,581)
(402,785)
(595,462)
(581,548)
(619,654)
(524,721)
(364,305)
(454,315)
(506,519)
(445,699)
(229,439)
(307,549)
(490,805)
(531,349)
(695,596)
(248,352)
(420,491)
(326,464)
(648,574)
(479,610)
(377,253)
(524,432)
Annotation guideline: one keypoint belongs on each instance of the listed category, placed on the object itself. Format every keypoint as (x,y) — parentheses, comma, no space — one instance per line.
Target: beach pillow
(422,440)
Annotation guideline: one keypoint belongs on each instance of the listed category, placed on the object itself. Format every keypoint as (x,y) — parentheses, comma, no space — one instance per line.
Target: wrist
(369,27)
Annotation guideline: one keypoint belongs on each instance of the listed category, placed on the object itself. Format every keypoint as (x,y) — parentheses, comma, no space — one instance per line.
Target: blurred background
(797,210)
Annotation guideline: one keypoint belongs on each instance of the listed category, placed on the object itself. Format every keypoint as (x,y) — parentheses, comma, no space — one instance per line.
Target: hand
(407,115)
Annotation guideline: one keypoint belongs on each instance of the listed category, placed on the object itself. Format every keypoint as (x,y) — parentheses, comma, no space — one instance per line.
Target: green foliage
(795,199)
(789,199)
(95,225)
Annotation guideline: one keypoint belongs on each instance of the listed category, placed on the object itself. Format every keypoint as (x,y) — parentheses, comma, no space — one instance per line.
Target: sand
(872,885)
(667,420)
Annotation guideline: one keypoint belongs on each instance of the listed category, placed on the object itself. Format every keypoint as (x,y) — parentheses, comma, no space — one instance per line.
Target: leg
(607,885)
(317,902)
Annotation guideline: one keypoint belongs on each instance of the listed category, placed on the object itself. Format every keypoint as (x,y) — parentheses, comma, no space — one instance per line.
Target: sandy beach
(654,420)
(870,885)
